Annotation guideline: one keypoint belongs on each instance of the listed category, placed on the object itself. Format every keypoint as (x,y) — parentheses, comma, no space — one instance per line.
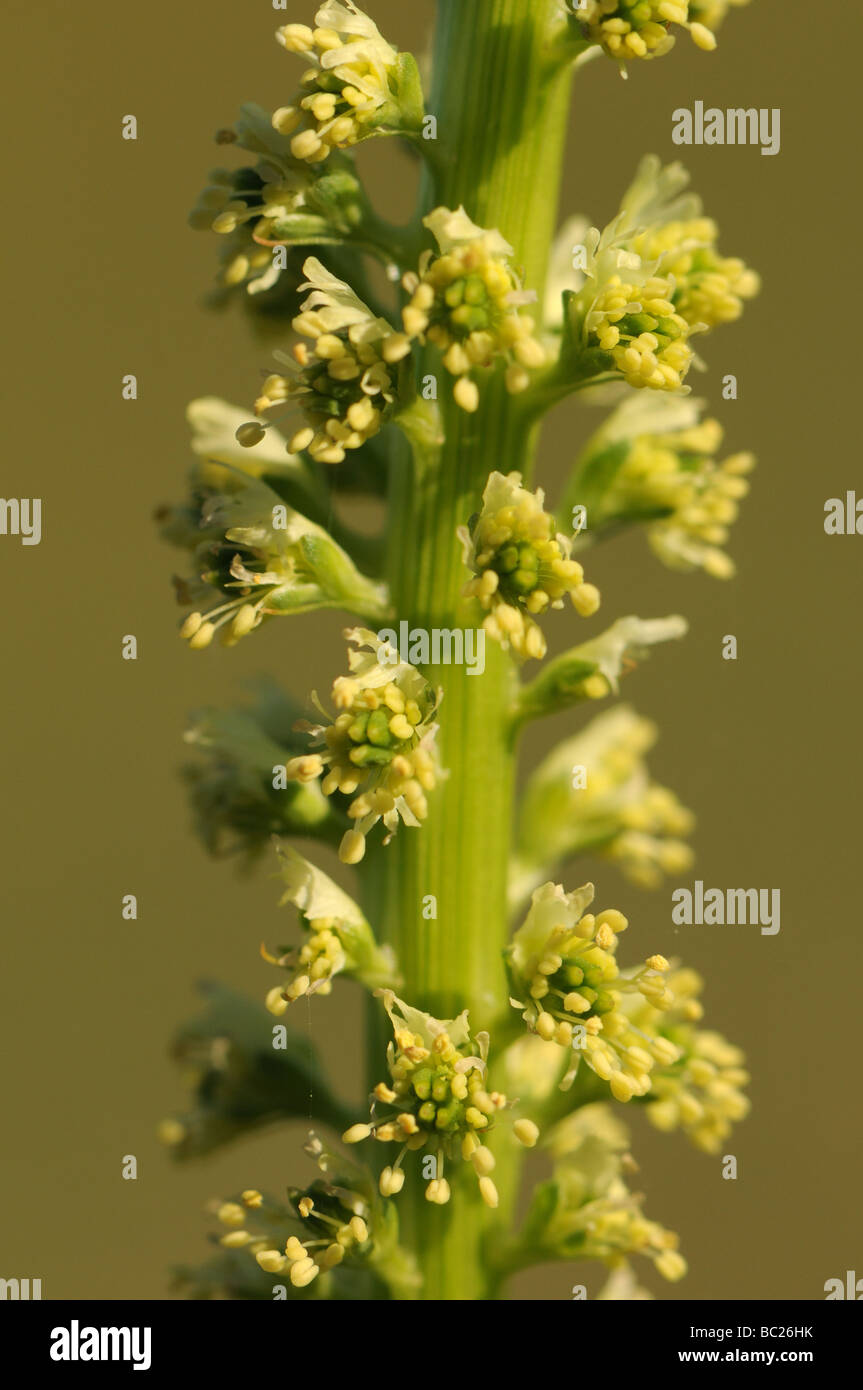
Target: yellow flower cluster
(245,210)
(639,325)
(634,1030)
(465,301)
(337,1219)
(595,1216)
(333,1238)
(654,461)
(251,552)
(436,1099)
(648,845)
(640,28)
(249,206)
(345,384)
(615,810)
(702,1092)
(614,1226)
(678,473)
(521,567)
(652,279)
(312,965)
(709,289)
(380,744)
(349,86)
(337,937)
(562,960)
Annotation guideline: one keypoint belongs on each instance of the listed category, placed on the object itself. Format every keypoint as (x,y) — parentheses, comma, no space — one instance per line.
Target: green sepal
(337,208)
(339,196)
(304,229)
(558,686)
(543,1204)
(315,896)
(391,1261)
(340,579)
(561,682)
(577,362)
(409,92)
(590,482)
(298,598)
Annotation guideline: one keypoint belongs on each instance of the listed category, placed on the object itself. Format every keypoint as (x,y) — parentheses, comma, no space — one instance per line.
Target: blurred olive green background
(102,278)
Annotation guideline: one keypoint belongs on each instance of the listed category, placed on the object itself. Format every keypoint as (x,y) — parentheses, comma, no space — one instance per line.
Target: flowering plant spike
(508,1008)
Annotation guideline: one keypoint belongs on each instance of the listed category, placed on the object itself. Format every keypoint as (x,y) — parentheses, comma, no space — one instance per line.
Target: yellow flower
(655,460)
(641,28)
(521,567)
(586,1210)
(562,963)
(637,325)
(663,225)
(436,1101)
(466,300)
(276,201)
(245,205)
(709,289)
(323,1225)
(337,937)
(357,85)
(258,558)
(344,382)
(702,1092)
(593,792)
(652,279)
(380,746)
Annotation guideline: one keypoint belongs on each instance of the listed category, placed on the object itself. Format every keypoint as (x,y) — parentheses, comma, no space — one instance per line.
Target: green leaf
(241,1081)
(236,807)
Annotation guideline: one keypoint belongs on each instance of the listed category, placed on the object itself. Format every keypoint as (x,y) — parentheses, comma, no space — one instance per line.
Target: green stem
(501,99)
